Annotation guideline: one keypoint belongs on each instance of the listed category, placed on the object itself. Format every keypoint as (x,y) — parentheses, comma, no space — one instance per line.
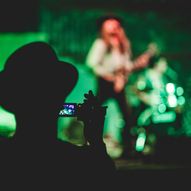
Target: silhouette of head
(34,77)
(35,83)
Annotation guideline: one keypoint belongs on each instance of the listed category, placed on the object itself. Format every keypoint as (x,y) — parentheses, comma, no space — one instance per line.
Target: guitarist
(110,60)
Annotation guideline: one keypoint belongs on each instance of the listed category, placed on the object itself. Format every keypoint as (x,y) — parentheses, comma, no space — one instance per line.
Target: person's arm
(93,116)
(142,61)
(95,57)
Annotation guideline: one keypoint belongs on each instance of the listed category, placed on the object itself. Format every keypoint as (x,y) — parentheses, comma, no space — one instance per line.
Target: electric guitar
(121,75)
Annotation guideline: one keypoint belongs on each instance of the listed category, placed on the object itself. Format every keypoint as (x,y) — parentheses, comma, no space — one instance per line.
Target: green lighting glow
(140,142)
(162,108)
(170,88)
(7,122)
(144,117)
(179,91)
(141,85)
(172,101)
(181,100)
(164,118)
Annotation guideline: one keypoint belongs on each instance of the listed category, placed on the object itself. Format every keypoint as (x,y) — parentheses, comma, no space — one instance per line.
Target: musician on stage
(110,59)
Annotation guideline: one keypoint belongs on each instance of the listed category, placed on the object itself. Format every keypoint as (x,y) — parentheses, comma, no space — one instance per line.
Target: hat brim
(35,67)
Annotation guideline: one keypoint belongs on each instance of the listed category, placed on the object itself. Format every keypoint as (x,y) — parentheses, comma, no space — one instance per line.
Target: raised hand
(152,49)
(92,114)
(142,61)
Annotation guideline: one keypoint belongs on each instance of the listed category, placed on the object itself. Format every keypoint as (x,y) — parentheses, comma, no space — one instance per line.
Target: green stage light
(164,118)
(181,100)
(172,101)
(140,142)
(179,91)
(162,108)
(170,88)
(7,122)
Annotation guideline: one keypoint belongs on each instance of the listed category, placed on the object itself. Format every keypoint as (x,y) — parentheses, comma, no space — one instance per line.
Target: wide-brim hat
(35,67)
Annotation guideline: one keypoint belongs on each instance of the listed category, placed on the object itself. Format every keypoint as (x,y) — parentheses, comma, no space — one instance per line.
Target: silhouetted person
(34,84)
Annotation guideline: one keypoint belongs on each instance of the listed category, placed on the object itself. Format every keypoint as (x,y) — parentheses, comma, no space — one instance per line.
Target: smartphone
(68,110)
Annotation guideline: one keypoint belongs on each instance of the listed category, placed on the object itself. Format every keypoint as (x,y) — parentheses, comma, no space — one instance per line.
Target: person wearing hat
(110,59)
(34,84)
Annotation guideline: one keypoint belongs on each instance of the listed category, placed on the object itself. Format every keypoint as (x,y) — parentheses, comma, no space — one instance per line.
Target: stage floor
(136,175)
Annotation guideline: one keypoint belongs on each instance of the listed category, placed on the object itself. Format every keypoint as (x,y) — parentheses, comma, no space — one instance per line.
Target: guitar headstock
(153,48)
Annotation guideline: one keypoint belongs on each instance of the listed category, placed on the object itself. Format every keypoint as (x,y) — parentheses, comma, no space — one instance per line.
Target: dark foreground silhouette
(34,84)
